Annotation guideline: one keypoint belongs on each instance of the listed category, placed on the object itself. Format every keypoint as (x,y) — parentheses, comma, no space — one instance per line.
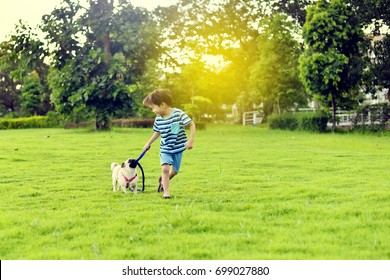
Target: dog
(125,176)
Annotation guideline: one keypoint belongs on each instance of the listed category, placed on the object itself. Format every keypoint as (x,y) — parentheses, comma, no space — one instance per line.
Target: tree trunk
(107,47)
(101,122)
(334,109)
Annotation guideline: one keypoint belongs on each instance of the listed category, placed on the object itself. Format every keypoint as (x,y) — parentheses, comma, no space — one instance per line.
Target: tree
(9,92)
(99,21)
(294,8)
(381,63)
(86,85)
(331,65)
(22,54)
(63,32)
(197,107)
(372,12)
(101,79)
(32,93)
(223,29)
(375,17)
(274,74)
(227,29)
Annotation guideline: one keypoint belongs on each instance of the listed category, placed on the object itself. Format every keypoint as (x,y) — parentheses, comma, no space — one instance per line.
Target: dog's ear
(123,165)
(132,163)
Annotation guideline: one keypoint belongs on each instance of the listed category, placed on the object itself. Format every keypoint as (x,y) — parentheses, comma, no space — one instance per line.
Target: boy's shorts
(172,159)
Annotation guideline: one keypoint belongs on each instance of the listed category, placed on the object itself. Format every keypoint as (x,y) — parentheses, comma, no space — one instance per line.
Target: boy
(170,124)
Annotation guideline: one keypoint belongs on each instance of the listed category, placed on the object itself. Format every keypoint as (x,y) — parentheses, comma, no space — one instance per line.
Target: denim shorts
(172,159)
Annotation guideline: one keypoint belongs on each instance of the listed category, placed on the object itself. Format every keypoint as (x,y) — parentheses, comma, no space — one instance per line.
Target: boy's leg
(172,173)
(166,161)
(165,179)
(170,165)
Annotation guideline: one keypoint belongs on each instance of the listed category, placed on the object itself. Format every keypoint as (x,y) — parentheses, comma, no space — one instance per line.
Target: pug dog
(125,176)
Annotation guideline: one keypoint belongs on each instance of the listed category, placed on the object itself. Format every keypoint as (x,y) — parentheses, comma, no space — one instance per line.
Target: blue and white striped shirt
(172,130)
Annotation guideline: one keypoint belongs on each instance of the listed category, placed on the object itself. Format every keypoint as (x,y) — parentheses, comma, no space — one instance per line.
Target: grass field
(243,193)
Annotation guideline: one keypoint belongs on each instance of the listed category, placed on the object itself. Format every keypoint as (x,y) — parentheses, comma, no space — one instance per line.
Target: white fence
(344,119)
(252,118)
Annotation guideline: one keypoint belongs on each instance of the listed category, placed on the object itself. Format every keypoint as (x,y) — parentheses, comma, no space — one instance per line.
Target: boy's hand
(189,145)
(190,142)
(146,147)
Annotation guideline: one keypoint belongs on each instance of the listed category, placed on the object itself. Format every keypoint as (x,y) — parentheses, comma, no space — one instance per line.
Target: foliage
(280,189)
(93,87)
(99,19)
(274,74)
(133,123)
(376,20)
(228,31)
(380,65)
(307,122)
(29,122)
(197,108)
(285,121)
(372,12)
(190,82)
(9,89)
(225,31)
(63,32)
(91,66)
(53,119)
(294,8)
(32,92)
(22,54)
(331,65)
(102,80)
(222,50)
(316,123)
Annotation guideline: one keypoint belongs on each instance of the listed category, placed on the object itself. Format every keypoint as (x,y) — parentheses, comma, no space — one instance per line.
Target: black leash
(136,163)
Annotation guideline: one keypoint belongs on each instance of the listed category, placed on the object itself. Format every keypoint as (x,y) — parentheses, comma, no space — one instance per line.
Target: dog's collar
(129,180)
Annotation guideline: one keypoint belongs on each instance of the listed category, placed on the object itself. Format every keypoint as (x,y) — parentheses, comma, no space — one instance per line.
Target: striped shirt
(173,135)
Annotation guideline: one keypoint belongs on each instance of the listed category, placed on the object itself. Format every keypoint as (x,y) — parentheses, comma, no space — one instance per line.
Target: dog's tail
(113,165)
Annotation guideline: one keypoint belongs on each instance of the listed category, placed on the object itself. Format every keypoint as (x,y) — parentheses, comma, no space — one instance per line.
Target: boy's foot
(166,196)
(160,187)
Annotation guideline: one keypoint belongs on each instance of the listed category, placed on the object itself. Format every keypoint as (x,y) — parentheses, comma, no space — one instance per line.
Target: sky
(31,11)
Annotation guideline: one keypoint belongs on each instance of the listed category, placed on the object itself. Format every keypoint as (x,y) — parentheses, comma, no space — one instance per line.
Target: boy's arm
(190,143)
(151,140)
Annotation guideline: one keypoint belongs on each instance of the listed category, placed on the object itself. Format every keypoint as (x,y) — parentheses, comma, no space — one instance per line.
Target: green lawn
(243,193)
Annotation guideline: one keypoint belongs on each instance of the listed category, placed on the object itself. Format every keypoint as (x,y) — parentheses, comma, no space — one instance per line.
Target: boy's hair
(159,96)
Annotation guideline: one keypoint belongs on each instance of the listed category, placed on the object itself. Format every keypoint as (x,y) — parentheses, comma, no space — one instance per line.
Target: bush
(289,122)
(308,122)
(131,123)
(134,123)
(77,125)
(53,119)
(315,123)
(31,122)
